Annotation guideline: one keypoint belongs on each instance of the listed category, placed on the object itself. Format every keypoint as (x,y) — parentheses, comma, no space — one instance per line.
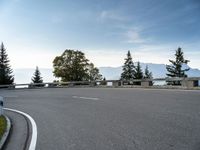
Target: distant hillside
(158,70)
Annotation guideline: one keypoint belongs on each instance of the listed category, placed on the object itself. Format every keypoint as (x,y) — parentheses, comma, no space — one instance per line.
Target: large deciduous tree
(73,66)
(93,73)
(6,76)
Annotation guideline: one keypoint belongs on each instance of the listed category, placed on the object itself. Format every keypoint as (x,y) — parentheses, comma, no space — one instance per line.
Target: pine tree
(37,76)
(128,68)
(147,73)
(175,69)
(6,76)
(138,71)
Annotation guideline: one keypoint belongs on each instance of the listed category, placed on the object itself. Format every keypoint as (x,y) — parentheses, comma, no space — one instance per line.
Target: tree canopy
(37,76)
(72,65)
(6,76)
(175,69)
(93,73)
(147,73)
(128,69)
(138,71)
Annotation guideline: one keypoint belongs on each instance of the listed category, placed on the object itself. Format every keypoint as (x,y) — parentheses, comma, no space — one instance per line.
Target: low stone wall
(185,83)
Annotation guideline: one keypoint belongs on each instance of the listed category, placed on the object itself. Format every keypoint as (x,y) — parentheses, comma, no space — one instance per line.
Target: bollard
(1,106)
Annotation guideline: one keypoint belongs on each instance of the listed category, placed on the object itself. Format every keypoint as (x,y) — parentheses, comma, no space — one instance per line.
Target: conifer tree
(138,71)
(37,76)
(175,69)
(128,68)
(6,76)
(147,73)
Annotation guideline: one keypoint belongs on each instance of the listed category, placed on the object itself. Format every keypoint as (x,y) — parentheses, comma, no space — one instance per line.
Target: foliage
(147,73)
(103,82)
(138,71)
(93,73)
(6,76)
(37,76)
(73,66)
(128,68)
(3,125)
(175,69)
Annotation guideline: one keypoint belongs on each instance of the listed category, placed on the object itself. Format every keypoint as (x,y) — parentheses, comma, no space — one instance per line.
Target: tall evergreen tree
(37,76)
(176,68)
(138,71)
(128,68)
(147,73)
(6,76)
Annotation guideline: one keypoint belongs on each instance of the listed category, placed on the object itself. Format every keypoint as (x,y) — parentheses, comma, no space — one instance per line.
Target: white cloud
(107,57)
(133,36)
(28,56)
(112,15)
(147,53)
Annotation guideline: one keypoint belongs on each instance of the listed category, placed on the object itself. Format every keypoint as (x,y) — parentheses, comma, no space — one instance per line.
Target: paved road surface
(18,133)
(111,119)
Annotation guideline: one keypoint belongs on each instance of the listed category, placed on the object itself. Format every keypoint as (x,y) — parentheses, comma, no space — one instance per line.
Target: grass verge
(3,125)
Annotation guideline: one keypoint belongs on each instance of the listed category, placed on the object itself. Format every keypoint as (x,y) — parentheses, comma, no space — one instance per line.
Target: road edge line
(33,142)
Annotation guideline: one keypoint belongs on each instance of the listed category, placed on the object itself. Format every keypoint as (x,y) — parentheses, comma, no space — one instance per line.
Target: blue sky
(36,31)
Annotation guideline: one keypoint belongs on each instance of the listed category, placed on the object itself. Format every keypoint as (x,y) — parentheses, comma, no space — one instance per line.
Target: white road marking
(33,142)
(10,96)
(88,98)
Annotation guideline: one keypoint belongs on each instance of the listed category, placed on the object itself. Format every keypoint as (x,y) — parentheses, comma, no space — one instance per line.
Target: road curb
(5,135)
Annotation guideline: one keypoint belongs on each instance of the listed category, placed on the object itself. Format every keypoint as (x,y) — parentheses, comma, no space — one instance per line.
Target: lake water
(24,75)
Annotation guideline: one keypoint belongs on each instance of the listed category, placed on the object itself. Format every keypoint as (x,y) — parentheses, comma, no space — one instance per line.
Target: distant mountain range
(158,70)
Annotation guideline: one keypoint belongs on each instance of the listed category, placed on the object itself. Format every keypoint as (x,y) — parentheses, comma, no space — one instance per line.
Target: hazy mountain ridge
(158,70)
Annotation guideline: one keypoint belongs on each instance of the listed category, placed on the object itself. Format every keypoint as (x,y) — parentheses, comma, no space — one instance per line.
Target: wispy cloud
(112,15)
(133,36)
